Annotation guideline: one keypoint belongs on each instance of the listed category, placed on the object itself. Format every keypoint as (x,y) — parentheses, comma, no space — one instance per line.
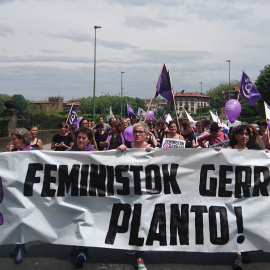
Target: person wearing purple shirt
(83,137)
(21,139)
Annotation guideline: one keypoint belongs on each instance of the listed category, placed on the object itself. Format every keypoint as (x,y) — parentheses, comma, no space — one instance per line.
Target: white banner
(172,143)
(167,199)
(218,120)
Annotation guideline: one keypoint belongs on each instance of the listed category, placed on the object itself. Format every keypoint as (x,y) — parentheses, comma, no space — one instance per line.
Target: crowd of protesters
(89,136)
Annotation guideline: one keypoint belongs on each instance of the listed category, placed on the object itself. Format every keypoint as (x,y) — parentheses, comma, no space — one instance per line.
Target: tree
(216,92)
(21,104)
(3,99)
(263,84)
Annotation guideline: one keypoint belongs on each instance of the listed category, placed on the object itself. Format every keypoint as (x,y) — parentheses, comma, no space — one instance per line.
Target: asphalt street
(42,256)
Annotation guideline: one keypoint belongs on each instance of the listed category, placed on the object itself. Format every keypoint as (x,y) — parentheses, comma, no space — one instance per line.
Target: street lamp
(229,61)
(121,96)
(200,102)
(94,90)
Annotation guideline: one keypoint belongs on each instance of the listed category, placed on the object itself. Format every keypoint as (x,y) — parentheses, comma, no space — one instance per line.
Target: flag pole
(266,120)
(69,112)
(153,93)
(174,102)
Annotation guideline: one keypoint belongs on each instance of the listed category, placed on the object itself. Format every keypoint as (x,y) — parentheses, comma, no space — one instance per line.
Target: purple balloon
(268,122)
(232,109)
(150,115)
(128,134)
(165,117)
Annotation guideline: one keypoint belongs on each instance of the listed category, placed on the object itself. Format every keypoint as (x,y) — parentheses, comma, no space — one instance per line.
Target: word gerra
(99,180)
(248,181)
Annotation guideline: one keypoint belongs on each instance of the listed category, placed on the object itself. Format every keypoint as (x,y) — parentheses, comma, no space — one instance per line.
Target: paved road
(41,256)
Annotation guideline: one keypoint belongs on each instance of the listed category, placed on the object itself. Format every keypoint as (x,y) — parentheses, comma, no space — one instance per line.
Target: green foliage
(263,84)
(248,110)
(3,99)
(21,104)
(43,111)
(216,92)
(103,103)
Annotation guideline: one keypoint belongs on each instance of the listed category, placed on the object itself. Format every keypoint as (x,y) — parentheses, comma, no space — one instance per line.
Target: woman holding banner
(21,139)
(173,131)
(241,139)
(140,131)
(115,138)
(83,138)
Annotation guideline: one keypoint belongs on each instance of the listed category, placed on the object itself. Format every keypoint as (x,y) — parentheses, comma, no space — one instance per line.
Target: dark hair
(30,127)
(206,122)
(214,127)
(173,122)
(63,124)
(186,124)
(83,119)
(85,130)
(118,126)
(254,131)
(99,125)
(200,123)
(73,126)
(251,144)
(262,123)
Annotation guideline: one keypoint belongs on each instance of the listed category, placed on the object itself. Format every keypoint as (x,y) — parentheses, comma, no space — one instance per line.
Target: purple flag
(129,110)
(248,90)
(72,119)
(163,86)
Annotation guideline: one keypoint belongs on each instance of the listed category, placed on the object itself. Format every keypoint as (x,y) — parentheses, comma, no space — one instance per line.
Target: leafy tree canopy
(263,84)
(3,99)
(216,92)
(20,104)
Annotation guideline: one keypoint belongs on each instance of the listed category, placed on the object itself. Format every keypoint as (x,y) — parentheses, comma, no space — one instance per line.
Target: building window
(192,103)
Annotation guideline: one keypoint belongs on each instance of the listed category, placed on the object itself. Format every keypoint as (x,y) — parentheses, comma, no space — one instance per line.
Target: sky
(47,46)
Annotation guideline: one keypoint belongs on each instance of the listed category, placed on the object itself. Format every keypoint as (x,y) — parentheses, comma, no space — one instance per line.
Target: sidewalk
(47,146)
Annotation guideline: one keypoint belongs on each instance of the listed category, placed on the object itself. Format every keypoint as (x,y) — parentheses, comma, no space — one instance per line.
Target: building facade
(234,94)
(191,101)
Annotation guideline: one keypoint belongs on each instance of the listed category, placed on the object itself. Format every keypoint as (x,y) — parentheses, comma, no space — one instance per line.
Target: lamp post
(229,61)
(121,96)
(200,101)
(94,88)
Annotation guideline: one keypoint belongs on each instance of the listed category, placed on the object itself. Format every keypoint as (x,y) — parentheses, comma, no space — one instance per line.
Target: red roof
(41,102)
(190,94)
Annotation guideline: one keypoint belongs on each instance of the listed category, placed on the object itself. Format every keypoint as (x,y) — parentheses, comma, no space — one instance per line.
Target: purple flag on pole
(72,119)
(129,110)
(163,86)
(248,90)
